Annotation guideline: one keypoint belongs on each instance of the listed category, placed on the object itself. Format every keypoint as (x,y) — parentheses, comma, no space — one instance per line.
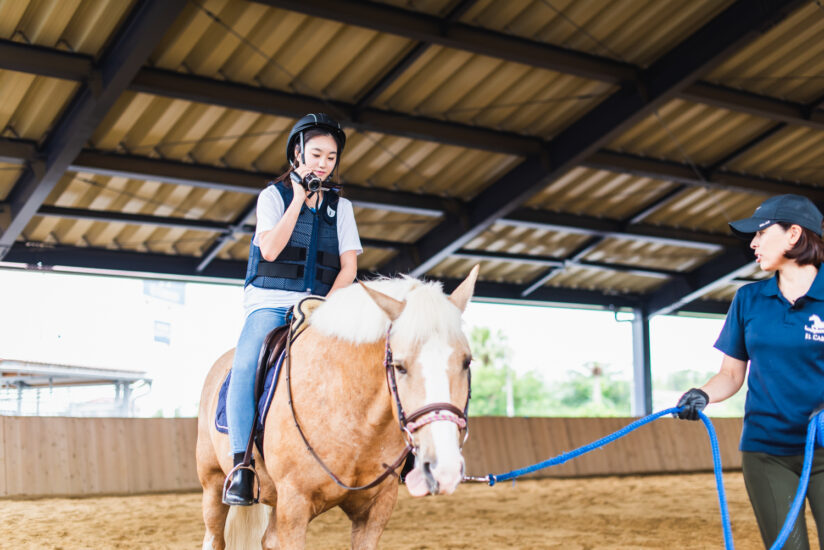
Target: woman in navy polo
(777,325)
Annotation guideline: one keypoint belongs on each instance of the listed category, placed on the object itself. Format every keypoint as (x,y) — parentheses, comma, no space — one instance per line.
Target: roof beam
(127,262)
(407,60)
(740,101)
(78,67)
(123,261)
(242,181)
(225,228)
(274,102)
(133,43)
(678,293)
(709,177)
(50,62)
(17,151)
(508,292)
(675,70)
(452,34)
(556,262)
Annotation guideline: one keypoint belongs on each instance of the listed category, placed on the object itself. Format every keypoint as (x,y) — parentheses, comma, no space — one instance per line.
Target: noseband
(433,412)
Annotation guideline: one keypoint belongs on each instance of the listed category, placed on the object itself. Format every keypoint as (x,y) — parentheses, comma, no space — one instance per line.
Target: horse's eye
(400,368)
(467,362)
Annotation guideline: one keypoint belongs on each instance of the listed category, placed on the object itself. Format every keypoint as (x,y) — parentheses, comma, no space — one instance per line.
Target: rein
(433,412)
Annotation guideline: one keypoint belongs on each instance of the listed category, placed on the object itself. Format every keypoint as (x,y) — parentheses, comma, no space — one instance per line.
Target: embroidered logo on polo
(815,331)
(330,212)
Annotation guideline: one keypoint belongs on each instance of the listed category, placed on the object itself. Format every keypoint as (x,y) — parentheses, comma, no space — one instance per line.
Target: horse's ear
(461,295)
(392,307)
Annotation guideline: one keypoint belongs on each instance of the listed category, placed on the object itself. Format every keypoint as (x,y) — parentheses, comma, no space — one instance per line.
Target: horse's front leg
(291,518)
(370,515)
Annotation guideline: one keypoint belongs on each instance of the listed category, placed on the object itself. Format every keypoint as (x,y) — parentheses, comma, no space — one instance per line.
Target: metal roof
(587,152)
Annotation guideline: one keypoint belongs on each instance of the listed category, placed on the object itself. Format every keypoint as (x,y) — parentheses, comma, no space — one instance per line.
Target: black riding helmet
(320,121)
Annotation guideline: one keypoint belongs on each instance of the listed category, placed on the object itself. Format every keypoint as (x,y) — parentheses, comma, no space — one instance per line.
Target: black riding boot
(240,490)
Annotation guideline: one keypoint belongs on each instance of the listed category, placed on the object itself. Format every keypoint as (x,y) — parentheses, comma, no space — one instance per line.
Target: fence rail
(45,456)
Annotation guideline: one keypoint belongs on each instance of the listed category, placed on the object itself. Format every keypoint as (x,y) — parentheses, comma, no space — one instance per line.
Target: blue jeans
(240,405)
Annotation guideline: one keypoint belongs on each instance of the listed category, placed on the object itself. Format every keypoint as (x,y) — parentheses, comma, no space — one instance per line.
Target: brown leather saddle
(297,319)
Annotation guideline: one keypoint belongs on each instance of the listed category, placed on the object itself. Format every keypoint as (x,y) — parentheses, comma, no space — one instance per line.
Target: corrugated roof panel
(491,270)
(689,131)
(706,209)
(373,258)
(584,278)
(635,31)
(646,254)
(419,166)
(794,153)
(237,249)
(31,103)
(78,25)
(88,191)
(154,126)
(787,61)
(474,89)
(9,174)
(392,226)
(280,50)
(599,193)
(523,239)
(723,292)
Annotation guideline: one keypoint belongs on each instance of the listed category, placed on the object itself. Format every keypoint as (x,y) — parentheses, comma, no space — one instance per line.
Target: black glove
(692,402)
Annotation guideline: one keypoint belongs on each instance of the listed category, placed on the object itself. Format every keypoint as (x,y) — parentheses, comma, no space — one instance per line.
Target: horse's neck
(355,371)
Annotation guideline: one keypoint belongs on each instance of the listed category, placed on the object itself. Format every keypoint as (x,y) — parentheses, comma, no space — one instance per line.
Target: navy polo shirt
(784,344)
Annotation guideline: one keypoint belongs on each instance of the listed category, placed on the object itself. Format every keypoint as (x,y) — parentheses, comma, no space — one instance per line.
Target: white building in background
(46,389)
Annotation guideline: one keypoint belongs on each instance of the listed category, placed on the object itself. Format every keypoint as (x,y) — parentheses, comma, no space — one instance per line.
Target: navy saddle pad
(265,400)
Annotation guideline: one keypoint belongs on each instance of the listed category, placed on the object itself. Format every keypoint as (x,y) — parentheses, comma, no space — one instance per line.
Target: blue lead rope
(560,459)
(816,422)
(809,450)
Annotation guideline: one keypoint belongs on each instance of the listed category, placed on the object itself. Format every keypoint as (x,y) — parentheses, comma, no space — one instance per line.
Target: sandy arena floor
(649,512)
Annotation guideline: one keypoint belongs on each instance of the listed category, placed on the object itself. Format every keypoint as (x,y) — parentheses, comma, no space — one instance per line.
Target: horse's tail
(245,526)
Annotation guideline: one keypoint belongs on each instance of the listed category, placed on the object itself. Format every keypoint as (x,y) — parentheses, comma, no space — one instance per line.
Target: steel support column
(641,364)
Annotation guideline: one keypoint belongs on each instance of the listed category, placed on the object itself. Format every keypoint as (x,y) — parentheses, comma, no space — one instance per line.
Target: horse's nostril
(431,482)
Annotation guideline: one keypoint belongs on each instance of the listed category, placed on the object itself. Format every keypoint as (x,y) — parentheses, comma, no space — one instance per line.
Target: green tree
(497,390)
(592,390)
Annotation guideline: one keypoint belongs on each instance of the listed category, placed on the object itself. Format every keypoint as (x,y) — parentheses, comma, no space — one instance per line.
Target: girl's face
(771,243)
(321,155)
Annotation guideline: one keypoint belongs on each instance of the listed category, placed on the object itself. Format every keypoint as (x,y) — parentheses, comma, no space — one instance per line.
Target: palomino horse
(349,407)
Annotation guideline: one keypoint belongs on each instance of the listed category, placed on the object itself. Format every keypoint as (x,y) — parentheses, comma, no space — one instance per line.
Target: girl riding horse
(306,242)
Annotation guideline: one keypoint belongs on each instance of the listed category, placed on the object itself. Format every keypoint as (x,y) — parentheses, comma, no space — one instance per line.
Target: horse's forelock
(428,314)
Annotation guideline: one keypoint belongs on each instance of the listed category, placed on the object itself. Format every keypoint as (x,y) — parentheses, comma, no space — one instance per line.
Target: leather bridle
(409,424)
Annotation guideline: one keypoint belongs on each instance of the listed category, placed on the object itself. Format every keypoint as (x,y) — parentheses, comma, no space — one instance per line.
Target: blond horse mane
(351,315)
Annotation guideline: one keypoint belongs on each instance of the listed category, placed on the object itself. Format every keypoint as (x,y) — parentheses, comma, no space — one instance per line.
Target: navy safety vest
(310,261)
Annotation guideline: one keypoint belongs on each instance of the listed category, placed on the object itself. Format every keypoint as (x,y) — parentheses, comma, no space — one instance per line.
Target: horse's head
(430,359)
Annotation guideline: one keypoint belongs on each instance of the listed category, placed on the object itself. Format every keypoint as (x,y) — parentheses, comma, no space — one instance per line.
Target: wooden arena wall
(42,456)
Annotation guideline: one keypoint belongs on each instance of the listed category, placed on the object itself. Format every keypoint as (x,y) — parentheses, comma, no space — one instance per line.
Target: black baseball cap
(793,209)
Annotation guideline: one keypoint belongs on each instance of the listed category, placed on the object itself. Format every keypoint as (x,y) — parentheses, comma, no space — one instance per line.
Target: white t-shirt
(270,209)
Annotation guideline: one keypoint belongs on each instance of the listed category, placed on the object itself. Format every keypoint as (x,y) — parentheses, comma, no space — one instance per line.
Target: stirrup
(227,482)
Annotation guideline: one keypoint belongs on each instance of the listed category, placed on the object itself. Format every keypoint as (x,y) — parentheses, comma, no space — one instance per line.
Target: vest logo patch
(815,331)
(330,211)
